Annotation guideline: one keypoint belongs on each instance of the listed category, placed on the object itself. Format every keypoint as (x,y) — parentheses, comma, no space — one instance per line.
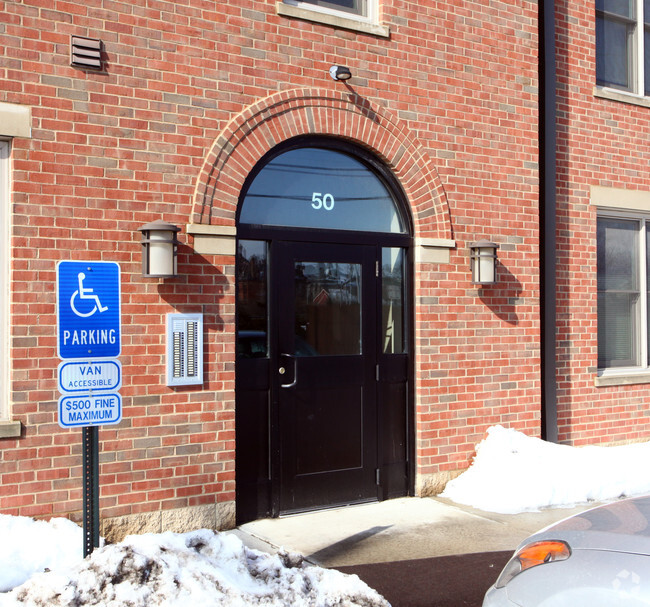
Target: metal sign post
(89,342)
(90,489)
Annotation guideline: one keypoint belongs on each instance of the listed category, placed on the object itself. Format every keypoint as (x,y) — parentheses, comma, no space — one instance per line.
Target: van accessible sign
(88,309)
(77,377)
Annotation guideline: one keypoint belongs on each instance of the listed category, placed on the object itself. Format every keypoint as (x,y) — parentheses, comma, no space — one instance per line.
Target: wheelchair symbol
(86,293)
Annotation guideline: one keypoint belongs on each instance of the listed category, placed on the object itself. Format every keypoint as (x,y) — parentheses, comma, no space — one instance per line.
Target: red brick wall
(456,84)
(600,143)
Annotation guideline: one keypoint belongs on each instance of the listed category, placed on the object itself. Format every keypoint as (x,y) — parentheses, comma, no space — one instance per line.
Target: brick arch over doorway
(281,116)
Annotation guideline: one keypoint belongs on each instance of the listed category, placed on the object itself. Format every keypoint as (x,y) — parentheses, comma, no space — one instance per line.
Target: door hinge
(378,477)
(376,372)
(377,268)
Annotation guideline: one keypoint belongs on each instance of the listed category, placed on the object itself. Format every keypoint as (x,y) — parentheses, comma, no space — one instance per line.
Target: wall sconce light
(483,262)
(340,72)
(159,249)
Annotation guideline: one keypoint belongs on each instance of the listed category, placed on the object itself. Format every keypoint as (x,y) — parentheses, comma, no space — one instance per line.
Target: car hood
(622,526)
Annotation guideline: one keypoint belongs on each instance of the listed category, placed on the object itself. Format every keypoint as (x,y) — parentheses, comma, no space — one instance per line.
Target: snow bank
(511,473)
(514,473)
(197,569)
(29,546)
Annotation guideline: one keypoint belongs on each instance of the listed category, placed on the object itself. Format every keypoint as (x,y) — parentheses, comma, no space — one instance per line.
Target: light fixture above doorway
(340,72)
(159,249)
(483,262)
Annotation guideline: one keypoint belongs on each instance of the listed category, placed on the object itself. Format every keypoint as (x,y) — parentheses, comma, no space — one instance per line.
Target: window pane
(320,188)
(252,341)
(647,271)
(349,6)
(646,53)
(392,300)
(617,255)
(624,8)
(618,295)
(328,308)
(5,239)
(617,343)
(613,52)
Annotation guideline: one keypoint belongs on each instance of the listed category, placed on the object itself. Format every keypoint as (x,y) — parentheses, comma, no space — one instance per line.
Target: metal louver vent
(184,349)
(86,52)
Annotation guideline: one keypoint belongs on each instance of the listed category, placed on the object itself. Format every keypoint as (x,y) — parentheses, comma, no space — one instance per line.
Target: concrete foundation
(219,517)
(428,485)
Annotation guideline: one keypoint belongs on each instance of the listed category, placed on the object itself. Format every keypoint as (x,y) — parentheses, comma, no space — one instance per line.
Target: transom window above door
(321,188)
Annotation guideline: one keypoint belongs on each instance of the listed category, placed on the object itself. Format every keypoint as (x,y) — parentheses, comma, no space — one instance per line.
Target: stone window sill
(623,97)
(623,378)
(9,429)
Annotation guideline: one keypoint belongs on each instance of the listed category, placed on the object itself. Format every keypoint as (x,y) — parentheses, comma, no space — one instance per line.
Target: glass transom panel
(320,188)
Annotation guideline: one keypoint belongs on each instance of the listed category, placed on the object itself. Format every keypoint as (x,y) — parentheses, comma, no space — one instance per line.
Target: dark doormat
(446,581)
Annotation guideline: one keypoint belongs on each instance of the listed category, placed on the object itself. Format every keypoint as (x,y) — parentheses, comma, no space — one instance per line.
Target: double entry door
(322,368)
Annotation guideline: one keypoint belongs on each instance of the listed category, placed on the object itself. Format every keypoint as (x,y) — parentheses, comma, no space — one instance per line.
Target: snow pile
(514,473)
(29,546)
(200,568)
(511,473)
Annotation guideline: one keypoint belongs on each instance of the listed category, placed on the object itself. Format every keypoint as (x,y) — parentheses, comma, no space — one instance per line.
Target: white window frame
(637,59)
(621,203)
(638,373)
(15,121)
(5,240)
(370,6)
(368,23)
(640,320)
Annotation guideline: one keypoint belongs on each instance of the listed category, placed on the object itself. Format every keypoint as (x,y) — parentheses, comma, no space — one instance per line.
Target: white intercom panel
(184,349)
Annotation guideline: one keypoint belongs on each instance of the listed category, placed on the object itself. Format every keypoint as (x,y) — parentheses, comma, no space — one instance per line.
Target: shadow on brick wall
(504,297)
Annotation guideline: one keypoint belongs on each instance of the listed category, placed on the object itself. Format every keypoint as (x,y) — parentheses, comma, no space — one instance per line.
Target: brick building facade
(193,106)
(603,176)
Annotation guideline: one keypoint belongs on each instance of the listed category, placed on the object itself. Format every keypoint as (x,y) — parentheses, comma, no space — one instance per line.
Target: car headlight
(531,555)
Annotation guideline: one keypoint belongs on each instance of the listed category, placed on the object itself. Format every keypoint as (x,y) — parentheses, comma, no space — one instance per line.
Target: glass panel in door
(252,286)
(328,308)
(392,300)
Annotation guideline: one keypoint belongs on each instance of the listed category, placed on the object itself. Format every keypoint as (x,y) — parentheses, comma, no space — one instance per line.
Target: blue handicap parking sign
(88,309)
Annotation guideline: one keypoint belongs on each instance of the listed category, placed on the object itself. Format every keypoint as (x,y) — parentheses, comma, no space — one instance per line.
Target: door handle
(282,371)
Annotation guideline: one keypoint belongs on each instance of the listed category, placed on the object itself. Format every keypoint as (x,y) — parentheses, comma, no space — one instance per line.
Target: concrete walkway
(396,530)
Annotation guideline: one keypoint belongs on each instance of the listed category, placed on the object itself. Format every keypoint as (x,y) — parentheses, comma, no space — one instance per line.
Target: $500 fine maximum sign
(90,410)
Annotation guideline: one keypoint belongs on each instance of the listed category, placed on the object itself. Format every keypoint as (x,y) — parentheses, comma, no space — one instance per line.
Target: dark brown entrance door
(326,307)
(323,391)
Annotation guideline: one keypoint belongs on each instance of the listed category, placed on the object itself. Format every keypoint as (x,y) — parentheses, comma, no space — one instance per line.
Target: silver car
(600,557)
